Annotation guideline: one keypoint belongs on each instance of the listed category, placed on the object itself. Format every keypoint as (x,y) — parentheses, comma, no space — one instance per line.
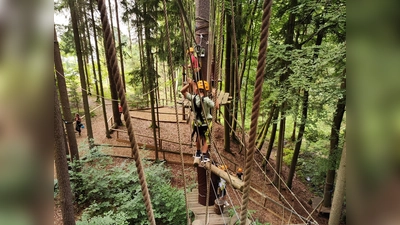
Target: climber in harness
(202,122)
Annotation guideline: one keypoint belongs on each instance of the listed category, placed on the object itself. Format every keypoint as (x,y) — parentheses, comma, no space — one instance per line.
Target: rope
(280,177)
(256,106)
(176,111)
(111,99)
(181,8)
(112,59)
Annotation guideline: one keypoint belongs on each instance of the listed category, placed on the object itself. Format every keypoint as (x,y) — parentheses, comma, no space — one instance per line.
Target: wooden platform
(317,204)
(166,114)
(200,211)
(223,97)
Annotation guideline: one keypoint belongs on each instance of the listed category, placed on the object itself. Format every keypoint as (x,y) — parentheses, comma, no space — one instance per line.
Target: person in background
(239,173)
(120,110)
(78,123)
(222,187)
(194,63)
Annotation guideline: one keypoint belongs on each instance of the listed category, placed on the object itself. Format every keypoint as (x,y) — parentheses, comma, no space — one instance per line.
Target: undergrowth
(111,194)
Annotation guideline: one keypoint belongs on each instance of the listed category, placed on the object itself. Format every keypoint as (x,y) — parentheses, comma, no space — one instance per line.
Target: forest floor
(297,199)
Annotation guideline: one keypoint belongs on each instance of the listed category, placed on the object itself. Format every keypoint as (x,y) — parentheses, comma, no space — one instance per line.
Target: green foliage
(313,163)
(287,156)
(234,210)
(109,218)
(73,94)
(92,114)
(112,194)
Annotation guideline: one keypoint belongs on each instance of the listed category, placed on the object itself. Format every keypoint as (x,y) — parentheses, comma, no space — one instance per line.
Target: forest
(283,64)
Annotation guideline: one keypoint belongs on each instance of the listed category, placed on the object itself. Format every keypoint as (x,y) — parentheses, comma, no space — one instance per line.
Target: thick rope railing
(176,109)
(112,59)
(256,106)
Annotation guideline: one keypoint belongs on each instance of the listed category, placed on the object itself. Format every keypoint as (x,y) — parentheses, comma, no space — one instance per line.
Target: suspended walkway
(200,211)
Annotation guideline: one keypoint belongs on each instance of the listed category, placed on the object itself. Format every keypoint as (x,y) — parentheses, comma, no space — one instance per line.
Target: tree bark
(152,77)
(113,86)
(121,56)
(337,121)
(202,14)
(114,96)
(81,71)
(227,108)
(273,134)
(90,51)
(62,88)
(67,207)
(299,140)
(338,195)
(264,131)
(103,103)
(279,152)
(81,25)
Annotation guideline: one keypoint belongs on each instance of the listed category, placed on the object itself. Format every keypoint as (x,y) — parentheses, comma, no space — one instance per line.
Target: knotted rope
(256,106)
(112,59)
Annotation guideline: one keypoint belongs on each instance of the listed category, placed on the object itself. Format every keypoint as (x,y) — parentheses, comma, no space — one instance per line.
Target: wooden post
(183,110)
(234,181)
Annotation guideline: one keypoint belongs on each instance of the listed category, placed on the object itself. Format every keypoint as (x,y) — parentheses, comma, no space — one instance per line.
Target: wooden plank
(139,144)
(225,98)
(220,96)
(200,211)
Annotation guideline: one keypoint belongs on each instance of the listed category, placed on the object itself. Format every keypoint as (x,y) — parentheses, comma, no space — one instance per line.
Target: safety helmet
(202,84)
(240,170)
(223,167)
(191,49)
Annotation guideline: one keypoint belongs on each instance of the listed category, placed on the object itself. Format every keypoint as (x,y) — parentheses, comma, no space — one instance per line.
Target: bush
(112,194)
(287,156)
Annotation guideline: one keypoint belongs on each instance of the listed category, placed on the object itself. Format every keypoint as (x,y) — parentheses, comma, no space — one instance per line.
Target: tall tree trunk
(293,137)
(99,69)
(113,86)
(111,19)
(81,26)
(90,51)
(202,14)
(121,56)
(227,108)
(236,13)
(165,83)
(299,140)
(273,134)
(334,145)
(81,71)
(62,88)
(152,76)
(114,96)
(339,193)
(142,62)
(246,86)
(60,158)
(263,134)
(296,152)
(279,151)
